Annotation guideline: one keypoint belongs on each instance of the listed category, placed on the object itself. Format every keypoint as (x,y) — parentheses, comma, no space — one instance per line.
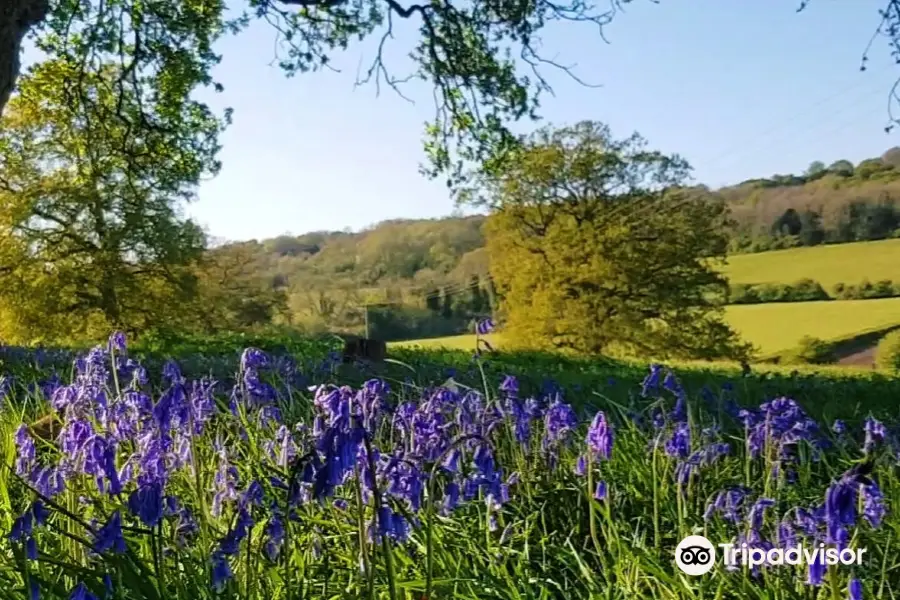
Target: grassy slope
(771,327)
(847,263)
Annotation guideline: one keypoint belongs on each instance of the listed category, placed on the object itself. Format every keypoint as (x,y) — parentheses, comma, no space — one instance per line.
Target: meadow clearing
(829,264)
(522,476)
(773,328)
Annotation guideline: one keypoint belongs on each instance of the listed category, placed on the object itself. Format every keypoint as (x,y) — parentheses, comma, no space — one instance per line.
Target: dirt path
(861,358)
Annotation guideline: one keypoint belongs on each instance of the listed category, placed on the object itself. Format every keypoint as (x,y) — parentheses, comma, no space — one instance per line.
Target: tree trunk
(16,18)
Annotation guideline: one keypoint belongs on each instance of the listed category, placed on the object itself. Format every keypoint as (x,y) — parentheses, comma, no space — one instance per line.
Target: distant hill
(426,262)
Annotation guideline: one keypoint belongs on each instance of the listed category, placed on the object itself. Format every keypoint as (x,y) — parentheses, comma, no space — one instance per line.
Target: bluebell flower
(679,445)
(873,503)
(650,385)
(109,537)
(855,590)
(757,512)
(840,503)
(25,450)
(559,422)
(484,326)
(581,466)
(146,503)
(275,535)
(254,358)
(600,437)
(816,573)
(875,434)
(510,385)
(600,493)
(81,592)
(116,342)
(172,373)
(839,427)
(221,571)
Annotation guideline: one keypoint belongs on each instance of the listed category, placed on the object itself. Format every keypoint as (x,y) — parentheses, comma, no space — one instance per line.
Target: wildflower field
(274,471)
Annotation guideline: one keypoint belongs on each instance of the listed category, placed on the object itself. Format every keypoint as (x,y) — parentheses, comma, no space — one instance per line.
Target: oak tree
(596,246)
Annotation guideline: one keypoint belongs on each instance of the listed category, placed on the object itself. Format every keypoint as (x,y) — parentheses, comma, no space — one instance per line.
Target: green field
(846,263)
(773,328)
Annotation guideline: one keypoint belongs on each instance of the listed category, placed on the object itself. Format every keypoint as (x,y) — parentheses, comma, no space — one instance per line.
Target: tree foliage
(595,246)
(89,208)
(482,58)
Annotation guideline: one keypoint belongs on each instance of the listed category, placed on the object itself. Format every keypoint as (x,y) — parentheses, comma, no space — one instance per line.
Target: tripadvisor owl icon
(695,555)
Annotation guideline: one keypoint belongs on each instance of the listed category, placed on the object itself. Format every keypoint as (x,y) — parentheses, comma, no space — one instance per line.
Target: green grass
(846,263)
(773,328)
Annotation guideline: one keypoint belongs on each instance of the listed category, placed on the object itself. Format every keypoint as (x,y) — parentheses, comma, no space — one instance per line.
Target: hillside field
(838,263)
(773,328)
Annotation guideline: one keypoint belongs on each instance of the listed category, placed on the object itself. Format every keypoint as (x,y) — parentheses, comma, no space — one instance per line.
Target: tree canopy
(595,245)
(482,57)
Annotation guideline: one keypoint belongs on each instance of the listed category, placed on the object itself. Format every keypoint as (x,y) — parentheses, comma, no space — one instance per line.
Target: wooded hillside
(400,258)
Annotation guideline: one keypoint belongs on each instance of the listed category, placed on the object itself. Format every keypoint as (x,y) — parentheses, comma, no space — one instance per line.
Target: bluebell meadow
(164,482)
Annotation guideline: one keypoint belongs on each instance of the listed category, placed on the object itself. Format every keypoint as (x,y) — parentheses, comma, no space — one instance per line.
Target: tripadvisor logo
(696,555)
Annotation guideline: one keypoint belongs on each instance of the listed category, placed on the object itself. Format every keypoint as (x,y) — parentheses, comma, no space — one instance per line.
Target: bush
(804,290)
(866,290)
(810,350)
(742,293)
(807,290)
(887,355)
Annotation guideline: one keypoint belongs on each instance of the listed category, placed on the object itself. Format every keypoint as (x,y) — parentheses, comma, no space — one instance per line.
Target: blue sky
(741,88)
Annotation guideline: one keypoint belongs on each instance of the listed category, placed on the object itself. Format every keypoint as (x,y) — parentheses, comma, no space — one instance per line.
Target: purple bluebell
(484,326)
(650,385)
(559,422)
(600,493)
(875,434)
(221,571)
(254,358)
(816,571)
(757,513)
(25,454)
(81,592)
(109,537)
(873,503)
(510,385)
(855,590)
(679,445)
(600,437)
(275,535)
(146,503)
(581,466)
(117,342)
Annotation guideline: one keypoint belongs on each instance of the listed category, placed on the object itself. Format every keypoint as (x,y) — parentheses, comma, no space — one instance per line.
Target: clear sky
(741,88)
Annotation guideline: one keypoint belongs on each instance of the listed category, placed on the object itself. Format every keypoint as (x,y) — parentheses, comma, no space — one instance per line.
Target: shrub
(743,293)
(867,290)
(804,290)
(810,350)
(887,355)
